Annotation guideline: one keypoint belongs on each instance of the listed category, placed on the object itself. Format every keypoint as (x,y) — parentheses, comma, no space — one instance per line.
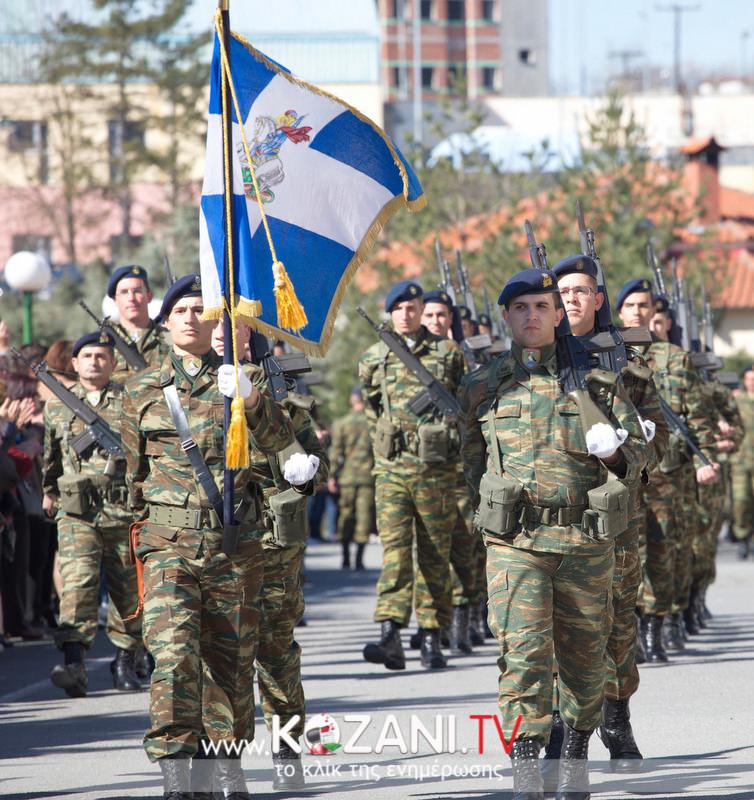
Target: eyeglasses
(577,291)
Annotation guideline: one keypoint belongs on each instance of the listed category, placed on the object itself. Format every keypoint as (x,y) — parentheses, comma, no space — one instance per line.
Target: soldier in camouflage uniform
(529,466)
(467,553)
(415,471)
(742,471)
(89,493)
(201,606)
(577,282)
(278,661)
(667,551)
(129,288)
(352,461)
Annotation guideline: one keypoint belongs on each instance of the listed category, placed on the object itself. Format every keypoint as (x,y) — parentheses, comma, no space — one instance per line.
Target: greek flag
(328,177)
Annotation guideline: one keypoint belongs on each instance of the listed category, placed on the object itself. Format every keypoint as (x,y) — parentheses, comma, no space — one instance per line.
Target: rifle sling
(190,448)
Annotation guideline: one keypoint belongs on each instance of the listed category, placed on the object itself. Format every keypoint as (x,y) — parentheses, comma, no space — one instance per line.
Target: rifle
(280,371)
(446,282)
(133,357)
(433,393)
(168,272)
(679,427)
(97,431)
(654,265)
(577,356)
(463,281)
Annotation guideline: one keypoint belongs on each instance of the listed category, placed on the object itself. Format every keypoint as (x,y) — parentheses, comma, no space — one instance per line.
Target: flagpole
(230,529)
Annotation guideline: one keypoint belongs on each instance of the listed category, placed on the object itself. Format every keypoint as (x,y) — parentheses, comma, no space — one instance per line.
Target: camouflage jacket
(442,357)
(679,385)
(745,403)
(62,425)
(153,344)
(351,451)
(159,473)
(538,431)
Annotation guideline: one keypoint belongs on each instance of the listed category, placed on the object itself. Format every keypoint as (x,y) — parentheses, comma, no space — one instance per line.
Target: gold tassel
(291,314)
(237,446)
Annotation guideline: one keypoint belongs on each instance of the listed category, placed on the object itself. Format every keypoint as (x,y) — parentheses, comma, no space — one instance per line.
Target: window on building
(398,78)
(121,135)
(428,74)
(29,138)
(456,77)
(456,10)
(396,9)
(489,7)
(527,56)
(426,9)
(490,79)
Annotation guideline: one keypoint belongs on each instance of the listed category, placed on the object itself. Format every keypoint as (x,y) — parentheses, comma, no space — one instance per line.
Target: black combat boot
(689,621)
(697,601)
(229,779)
(360,548)
(550,765)
(431,654)
(287,772)
(618,737)
(651,631)
(389,650)
(674,636)
(476,637)
(71,676)
(459,631)
(743,548)
(527,782)
(415,642)
(122,670)
(573,778)
(176,776)
(346,563)
(706,613)
(143,664)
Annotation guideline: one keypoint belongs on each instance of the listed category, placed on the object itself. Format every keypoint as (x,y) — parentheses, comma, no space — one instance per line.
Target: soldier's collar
(531,358)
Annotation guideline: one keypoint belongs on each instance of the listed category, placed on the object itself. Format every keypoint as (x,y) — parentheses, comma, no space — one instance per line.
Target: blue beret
(584,265)
(464,312)
(98,338)
(528,281)
(186,286)
(131,271)
(404,290)
(630,287)
(438,296)
(485,320)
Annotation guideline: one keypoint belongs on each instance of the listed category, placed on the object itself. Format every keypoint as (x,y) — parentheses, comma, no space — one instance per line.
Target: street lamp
(27,273)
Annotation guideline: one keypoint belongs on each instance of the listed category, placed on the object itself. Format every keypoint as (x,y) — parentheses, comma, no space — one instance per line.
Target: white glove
(649,428)
(602,440)
(300,468)
(226,381)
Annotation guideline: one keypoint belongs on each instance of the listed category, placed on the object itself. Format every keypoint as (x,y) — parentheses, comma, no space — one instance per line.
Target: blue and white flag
(329,179)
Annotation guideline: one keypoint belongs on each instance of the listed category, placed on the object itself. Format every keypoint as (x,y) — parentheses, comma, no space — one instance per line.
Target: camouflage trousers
(622,674)
(695,522)
(84,547)
(201,614)
(278,663)
(355,514)
(665,518)
(704,546)
(742,478)
(464,560)
(546,606)
(415,506)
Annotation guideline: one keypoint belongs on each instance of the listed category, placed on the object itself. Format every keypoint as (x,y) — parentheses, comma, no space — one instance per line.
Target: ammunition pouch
(77,494)
(387,438)
(607,515)
(675,454)
(288,518)
(499,499)
(434,443)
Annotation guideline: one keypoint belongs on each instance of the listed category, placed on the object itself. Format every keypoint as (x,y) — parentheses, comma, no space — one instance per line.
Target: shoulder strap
(190,448)
(384,351)
(494,446)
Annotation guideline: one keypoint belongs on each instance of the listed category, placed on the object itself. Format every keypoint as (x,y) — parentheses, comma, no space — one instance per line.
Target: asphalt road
(403,735)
